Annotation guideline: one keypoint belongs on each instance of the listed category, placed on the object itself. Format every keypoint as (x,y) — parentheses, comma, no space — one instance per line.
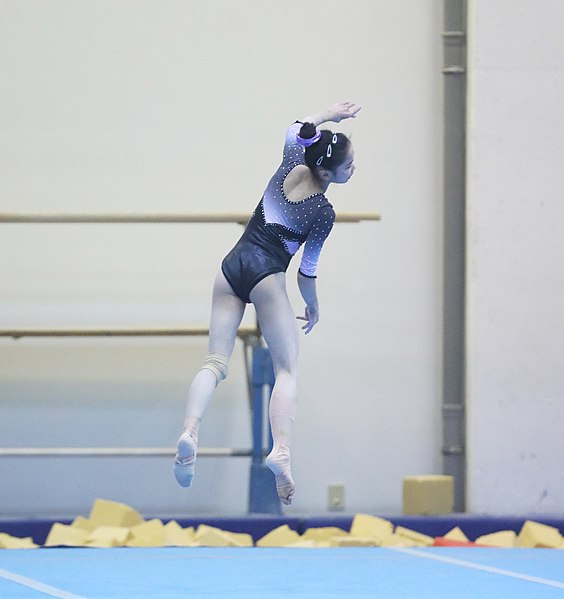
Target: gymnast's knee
(217,363)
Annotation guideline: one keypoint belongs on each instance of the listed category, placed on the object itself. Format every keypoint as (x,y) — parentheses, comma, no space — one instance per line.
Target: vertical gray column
(454,86)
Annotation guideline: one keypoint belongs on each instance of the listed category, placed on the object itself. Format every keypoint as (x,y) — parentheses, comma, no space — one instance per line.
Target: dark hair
(316,154)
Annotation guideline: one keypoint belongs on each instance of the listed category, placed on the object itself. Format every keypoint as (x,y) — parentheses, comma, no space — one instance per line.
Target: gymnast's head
(329,156)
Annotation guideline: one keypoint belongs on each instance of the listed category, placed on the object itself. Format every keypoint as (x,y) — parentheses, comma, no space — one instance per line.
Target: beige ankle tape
(217,363)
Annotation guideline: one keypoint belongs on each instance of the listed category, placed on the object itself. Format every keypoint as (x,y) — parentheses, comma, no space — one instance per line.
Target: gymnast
(293,211)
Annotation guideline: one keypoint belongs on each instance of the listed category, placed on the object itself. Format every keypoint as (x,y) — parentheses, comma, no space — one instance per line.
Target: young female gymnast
(292,211)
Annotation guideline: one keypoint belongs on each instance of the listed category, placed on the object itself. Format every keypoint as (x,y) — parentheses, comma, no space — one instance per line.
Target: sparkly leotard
(277,229)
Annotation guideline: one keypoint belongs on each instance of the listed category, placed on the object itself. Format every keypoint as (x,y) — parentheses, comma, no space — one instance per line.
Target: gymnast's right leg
(278,325)
(226,315)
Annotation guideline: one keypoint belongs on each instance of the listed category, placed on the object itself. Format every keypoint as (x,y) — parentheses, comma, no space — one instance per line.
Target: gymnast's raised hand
(344,110)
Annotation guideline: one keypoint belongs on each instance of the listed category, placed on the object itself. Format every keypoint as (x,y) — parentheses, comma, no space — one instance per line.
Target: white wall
(181,106)
(515,376)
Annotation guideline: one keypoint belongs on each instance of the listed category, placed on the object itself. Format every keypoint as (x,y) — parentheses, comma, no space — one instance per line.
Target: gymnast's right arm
(335,114)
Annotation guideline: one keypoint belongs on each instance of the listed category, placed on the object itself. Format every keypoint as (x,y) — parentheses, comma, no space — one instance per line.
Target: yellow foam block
(62,534)
(535,534)
(364,525)
(398,541)
(113,513)
(304,544)
(210,536)
(9,542)
(242,539)
(503,538)
(428,494)
(412,535)
(145,541)
(323,533)
(353,541)
(108,536)
(83,523)
(456,534)
(147,534)
(279,537)
(149,527)
(176,536)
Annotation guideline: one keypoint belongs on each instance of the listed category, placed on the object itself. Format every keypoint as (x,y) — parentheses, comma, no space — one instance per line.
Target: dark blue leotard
(277,229)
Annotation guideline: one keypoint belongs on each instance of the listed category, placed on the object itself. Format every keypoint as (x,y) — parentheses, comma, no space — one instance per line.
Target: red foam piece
(444,542)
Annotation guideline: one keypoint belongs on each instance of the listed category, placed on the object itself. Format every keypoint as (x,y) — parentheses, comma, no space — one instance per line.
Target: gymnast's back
(307,220)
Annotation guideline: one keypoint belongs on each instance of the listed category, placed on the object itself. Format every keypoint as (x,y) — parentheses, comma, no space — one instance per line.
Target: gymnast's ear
(324,174)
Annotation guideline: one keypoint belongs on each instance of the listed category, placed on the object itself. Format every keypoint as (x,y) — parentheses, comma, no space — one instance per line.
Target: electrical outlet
(336,497)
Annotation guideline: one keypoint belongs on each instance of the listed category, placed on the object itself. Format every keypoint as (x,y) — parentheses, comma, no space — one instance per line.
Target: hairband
(306,142)
(329,150)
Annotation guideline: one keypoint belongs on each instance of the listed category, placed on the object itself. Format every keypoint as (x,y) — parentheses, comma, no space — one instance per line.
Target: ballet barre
(210,218)
(124,452)
(242,333)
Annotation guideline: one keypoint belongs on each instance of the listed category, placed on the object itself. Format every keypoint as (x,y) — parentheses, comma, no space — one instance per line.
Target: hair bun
(308,135)
(308,131)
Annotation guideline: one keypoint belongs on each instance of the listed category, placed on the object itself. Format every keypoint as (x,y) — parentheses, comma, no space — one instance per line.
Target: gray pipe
(454,181)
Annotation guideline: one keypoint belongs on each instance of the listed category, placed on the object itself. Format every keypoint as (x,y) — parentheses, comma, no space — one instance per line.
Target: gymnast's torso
(278,228)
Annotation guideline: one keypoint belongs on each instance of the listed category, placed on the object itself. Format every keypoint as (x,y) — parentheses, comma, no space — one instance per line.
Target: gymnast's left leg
(278,325)
(226,315)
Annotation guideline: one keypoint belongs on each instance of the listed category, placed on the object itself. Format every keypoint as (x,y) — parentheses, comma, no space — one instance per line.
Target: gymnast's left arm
(308,289)
(308,266)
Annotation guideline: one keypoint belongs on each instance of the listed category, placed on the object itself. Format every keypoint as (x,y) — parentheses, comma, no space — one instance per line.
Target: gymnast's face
(346,169)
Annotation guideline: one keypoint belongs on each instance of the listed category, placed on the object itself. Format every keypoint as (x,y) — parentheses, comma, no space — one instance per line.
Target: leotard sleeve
(293,152)
(316,238)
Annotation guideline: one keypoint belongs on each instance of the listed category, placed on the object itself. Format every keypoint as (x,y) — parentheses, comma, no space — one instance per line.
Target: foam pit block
(112,513)
(503,538)
(176,536)
(323,533)
(535,534)
(9,542)
(108,536)
(398,541)
(428,494)
(66,535)
(281,536)
(304,544)
(83,523)
(417,538)
(241,539)
(355,541)
(147,534)
(366,526)
(209,536)
(456,534)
